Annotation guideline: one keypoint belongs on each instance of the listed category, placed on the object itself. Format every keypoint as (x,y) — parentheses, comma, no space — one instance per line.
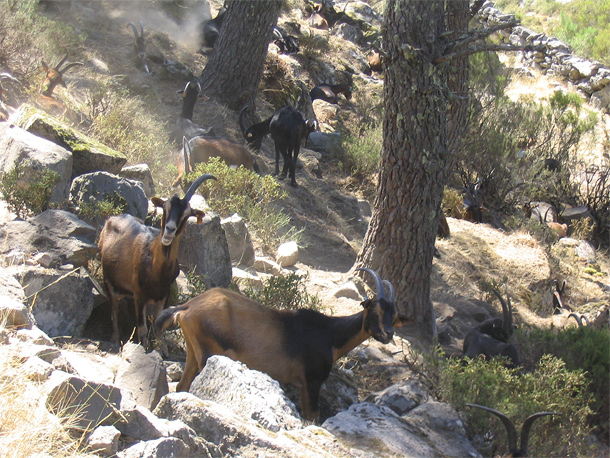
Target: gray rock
(15,313)
(143,374)
(36,154)
(204,251)
(141,173)
(60,303)
(163,447)
(402,397)
(246,392)
(104,440)
(241,248)
(59,233)
(325,143)
(287,254)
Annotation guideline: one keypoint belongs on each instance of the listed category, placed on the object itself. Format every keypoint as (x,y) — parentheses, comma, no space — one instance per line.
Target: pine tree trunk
(415,162)
(235,66)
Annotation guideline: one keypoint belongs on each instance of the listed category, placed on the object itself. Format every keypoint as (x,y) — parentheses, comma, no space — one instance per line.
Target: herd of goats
(293,346)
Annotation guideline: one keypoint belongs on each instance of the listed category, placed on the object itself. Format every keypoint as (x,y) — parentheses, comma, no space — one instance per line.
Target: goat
(185,127)
(317,19)
(579,319)
(256,132)
(289,129)
(443,226)
(287,44)
(140,261)
(330,93)
(211,29)
(53,77)
(473,204)
(139,48)
(201,149)
(560,229)
(558,296)
(292,346)
(514,450)
(375,61)
(5,109)
(490,338)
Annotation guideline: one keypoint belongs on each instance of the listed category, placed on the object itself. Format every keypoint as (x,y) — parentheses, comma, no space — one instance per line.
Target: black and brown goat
(141,261)
(514,450)
(317,20)
(289,129)
(211,29)
(139,48)
(490,338)
(185,127)
(53,77)
(256,132)
(292,346)
(202,149)
(287,44)
(330,93)
(375,60)
(473,203)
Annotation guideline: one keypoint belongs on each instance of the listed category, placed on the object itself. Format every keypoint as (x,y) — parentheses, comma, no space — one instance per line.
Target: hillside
(328,208)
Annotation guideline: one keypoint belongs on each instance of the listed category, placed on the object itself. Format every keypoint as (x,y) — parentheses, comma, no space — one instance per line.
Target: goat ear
(203,97)
(401,320)
(199,215)
(157,201)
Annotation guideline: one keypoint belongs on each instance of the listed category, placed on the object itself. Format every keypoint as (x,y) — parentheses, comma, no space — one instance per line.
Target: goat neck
(191,91)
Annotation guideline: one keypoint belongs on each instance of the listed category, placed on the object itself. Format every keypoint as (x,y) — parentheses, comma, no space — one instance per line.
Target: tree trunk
(416,158)
(234,68)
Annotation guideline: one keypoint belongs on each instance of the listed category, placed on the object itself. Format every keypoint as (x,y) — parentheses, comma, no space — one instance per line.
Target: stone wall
(553,57)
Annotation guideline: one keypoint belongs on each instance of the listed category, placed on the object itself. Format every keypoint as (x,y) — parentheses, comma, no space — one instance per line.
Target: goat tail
(167,318)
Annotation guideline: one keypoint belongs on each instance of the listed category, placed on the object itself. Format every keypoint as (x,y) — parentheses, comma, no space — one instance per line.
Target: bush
(28,191)
(363,153)
(251,196)
(551,386)
(285,292)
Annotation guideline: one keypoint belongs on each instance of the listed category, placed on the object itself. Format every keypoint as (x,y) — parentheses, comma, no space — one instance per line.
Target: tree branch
(478,34)
(476,6)
(482,47)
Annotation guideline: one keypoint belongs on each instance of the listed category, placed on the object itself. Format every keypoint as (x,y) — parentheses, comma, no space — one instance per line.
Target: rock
(37,370)
(330,143)
(402,397)
(61,303)
(204,251)
(241,248)
(267,266)
(244,278)
(36,154)
(92,188)
(141,173)
(57,232)
(246,392)
(88,155)
(166,446)
(143,374)
(350,290)
(15,314)
(287,254)
(104,440)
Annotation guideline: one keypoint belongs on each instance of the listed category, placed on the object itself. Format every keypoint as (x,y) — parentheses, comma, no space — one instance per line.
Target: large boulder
(204,251)
(241,248)
(88,154)
(140,172)
(67,239)
(93,188)
(35,154)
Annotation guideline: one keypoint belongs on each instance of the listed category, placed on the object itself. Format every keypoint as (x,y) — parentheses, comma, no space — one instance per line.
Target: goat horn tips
(378,282)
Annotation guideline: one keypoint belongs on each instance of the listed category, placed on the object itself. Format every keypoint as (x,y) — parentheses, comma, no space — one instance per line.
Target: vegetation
(285,293)
(27,191)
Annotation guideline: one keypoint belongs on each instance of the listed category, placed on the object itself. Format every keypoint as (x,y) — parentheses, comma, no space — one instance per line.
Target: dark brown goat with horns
(292,346)
(141,261)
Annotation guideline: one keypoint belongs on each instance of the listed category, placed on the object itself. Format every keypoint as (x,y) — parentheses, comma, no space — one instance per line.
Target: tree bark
(236,63)
(416,156)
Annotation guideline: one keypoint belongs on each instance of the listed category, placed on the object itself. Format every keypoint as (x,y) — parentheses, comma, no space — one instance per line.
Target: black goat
(514,451)
(211,29)
(256,132)
(185,127)
(330,93)
(490,338)
(141,261)
(292,346)
(558,296)
(289,129)
(287,44)
(579,319)
(139,48)
(473,204)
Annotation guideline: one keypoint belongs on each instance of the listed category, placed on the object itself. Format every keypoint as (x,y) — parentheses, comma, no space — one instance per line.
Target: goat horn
(507,312)
(61,63)
(510,427)
(577,318)
(133,26)
(378,282)
(69,66)
(191,190)
(141,30)
(527,425)
(584,317)
(390,288)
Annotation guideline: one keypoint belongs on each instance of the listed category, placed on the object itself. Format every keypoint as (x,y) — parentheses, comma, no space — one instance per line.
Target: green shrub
(285,292)
(251,196)
(363,153)
(97,211)
(28,191)
(551,386)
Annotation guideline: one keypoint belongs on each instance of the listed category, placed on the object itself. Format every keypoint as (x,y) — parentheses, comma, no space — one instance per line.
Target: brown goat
(202,149)
(292,346)
(141,261)
(375,63)
(317,19)
(514,451)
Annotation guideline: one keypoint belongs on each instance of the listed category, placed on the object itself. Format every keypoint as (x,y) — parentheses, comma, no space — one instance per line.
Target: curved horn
(186,155)
(133,26)
(141,30)
(507,311)
(378,282)
(577,318)
(390,288)
(61,62)
(191,190)
(510,427)
(242,123)
(527,425)
(586,320)
(69,66)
